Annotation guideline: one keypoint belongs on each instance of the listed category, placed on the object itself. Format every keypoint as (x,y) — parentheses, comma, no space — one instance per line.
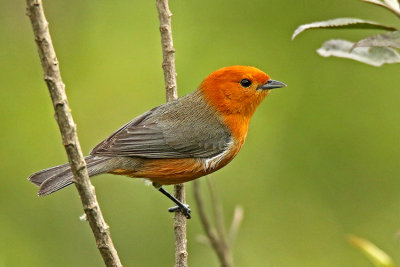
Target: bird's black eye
(245,83)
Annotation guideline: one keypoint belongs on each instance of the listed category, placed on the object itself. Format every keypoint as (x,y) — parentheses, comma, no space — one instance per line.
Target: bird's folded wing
(162,134)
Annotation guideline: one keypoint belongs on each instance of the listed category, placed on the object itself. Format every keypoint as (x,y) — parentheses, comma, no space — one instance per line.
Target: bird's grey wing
(168,132)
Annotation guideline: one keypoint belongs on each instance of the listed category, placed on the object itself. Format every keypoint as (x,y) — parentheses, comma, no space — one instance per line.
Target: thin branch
(168,65)
(67,127)
(236,222)
(218,212)
(219,246)
(181,253)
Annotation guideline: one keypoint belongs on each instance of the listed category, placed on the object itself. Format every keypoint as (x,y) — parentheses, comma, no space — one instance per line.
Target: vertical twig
(168,65)
(67,127)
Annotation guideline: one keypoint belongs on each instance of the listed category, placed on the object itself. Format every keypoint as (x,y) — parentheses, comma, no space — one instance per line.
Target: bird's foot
(184,209)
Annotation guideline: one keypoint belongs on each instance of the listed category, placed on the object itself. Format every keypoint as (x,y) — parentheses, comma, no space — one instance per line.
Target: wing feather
(169,131)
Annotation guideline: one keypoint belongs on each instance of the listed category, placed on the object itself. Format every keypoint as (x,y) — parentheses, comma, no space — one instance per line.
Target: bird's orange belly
(167,171)
(174,171)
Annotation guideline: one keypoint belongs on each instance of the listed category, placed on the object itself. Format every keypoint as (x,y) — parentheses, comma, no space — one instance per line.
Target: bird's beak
(272,84)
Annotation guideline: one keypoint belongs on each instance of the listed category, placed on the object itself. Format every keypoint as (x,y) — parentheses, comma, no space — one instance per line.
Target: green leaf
(376,255)
(348,23)
(391,39)
(376,56)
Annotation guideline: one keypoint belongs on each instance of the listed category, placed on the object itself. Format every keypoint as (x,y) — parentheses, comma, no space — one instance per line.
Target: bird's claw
(185,210)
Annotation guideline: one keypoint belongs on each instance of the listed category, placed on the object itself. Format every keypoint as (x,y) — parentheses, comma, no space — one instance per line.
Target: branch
(164,14)
(219,243)
(67,127)
(235,225)
(218,212)
(168,65)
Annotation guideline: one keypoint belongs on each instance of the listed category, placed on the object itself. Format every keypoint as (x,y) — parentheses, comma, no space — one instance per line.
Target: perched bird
(178,141)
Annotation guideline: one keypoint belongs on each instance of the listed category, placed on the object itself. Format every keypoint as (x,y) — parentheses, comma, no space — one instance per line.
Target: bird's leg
(184,208)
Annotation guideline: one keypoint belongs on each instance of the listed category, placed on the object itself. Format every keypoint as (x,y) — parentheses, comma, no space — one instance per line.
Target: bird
(178,141)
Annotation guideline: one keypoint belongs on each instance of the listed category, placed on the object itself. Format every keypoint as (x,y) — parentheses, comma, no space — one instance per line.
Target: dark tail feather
(39,177)
(53,179)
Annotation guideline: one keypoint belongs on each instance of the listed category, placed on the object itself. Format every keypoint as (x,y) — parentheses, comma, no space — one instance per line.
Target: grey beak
(272,84)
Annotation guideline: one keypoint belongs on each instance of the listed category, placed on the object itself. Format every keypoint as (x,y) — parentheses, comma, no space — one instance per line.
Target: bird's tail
(56,178)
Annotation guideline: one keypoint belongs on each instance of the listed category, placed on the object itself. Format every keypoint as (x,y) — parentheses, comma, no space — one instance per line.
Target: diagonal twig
(168,65)
(67,126)
(235,225)
(218,212)
(221,249)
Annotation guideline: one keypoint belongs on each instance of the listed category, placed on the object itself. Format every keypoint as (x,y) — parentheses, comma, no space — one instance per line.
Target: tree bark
(168,65)
(67,127)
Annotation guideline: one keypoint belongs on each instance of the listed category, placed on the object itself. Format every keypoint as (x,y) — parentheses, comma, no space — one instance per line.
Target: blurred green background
(321,158)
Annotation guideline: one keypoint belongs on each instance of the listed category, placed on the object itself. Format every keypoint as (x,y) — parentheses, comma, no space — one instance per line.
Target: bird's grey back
(183,128)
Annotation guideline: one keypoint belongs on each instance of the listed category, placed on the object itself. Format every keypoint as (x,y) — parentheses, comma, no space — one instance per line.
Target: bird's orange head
(237,89)
(235,92)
